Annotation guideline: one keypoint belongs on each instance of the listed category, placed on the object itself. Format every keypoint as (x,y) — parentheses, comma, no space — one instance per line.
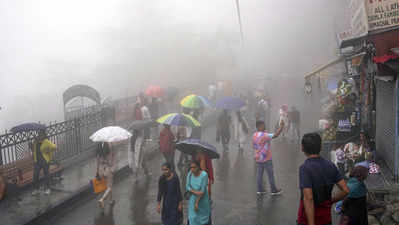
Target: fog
(121,46)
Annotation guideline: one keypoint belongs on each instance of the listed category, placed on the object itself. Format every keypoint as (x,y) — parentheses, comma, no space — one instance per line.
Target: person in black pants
(43,150)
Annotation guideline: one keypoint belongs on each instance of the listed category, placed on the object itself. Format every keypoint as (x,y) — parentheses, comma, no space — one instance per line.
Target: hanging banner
(382,13)
(359,22)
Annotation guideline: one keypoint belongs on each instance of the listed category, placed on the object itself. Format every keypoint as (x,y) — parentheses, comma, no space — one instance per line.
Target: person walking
(207,166)
(295,120)
(138,115)
(170,197)
(241,130)
(138,154)
(146,115)
(196,131)
(317,177)
(43,150)
(167,145)
(283,116)
(105,164)
(223,129)
(261,142)
(181,136)
(199,212)
(354,206)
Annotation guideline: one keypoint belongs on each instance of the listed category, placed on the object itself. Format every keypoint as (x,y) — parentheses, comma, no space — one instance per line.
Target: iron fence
(72,135)
(71,138)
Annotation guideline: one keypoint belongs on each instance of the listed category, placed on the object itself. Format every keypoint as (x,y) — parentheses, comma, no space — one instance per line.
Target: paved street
(234,193)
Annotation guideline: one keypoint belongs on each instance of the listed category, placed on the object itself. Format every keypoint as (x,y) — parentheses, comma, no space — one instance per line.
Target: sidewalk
(23,208)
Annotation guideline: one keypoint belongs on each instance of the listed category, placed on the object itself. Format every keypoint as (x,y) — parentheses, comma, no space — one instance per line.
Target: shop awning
(321,68)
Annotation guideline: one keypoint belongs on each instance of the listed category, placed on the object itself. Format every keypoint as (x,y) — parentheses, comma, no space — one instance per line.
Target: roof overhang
(321,68)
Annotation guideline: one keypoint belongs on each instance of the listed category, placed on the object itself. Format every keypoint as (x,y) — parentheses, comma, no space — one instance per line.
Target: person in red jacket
(167,145)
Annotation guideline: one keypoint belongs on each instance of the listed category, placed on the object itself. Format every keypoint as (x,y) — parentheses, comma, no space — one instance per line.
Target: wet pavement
(234,192)
(20,209)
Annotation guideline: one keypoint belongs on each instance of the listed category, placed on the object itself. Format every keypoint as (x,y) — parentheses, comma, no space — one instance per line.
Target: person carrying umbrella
(43,150)
(105,156)
(223,129)
(105,163)
(207,166)
(199,209)
(167,145)
(241,130)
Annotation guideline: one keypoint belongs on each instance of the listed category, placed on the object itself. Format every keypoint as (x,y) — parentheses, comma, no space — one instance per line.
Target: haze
(120,46)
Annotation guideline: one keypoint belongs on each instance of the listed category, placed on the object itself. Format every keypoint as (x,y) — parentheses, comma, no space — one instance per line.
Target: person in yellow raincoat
(43,150)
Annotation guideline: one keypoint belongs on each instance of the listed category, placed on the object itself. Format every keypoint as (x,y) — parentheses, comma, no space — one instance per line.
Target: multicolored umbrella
(154,91)
(195,102)
(190,146)
(230,103)
(179,119)
(110,134)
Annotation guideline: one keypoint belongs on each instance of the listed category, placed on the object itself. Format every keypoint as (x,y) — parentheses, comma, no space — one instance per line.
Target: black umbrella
(141,124)
(189,146)
(28,127)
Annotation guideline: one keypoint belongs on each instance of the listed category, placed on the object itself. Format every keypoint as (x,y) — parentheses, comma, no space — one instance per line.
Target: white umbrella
(110,134)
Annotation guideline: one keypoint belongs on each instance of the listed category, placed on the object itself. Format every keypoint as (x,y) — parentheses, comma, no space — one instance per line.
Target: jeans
(295,130)
(268,166)
(36,173)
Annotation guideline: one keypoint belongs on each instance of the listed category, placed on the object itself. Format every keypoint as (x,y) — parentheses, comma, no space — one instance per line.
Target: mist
(119,47)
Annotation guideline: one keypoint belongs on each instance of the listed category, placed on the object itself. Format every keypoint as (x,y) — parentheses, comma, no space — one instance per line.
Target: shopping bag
(99,185)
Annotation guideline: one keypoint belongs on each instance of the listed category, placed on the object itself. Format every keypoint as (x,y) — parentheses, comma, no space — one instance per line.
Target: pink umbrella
(154,91)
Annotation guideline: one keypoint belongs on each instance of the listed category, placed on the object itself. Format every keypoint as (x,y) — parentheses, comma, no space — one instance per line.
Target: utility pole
(239,19)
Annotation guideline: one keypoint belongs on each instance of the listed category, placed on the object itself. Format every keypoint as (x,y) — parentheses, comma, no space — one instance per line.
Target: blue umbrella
(28,127)
(189,146)
(230,103)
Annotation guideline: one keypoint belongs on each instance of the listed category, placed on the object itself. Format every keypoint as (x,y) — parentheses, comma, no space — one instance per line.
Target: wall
(385,120)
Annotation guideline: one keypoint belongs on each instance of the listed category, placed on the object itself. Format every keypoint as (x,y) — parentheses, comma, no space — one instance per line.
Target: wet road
(234,192)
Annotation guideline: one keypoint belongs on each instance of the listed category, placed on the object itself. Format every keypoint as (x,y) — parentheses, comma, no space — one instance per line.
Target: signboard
(359,22)
(382,13)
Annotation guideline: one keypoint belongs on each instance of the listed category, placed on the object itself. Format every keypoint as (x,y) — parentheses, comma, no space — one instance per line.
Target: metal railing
(70,136)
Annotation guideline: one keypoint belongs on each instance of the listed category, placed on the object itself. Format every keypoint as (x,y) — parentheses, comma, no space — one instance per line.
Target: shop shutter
(385,123)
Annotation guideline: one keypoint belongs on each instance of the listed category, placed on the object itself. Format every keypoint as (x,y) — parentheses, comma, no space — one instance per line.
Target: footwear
(35,192)
(101,203)
(277,192)
(112,203)
(261,192)
(47,191)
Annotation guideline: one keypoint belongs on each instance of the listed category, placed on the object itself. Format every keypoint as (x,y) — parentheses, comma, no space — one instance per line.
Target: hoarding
(382,14)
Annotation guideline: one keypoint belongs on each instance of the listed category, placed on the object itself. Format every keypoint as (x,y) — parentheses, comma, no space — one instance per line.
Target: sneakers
(277,192)
(35,192)
(261,192)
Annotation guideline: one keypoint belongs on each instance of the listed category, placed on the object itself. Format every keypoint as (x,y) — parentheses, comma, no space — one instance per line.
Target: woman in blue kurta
(198,206)
(170,195)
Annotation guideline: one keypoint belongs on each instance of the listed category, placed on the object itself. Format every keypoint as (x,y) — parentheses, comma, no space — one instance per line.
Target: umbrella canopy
(230,103)
(141,124)
(195,102)
(179,119)
(28,127)
(154,91)
(110,134)
(189,146)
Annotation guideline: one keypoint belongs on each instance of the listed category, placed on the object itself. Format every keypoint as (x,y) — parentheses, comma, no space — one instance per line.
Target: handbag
(99,184)
(187,194)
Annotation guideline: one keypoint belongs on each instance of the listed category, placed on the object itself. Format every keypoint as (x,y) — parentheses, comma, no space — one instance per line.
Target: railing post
(77,135)
(1,157)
